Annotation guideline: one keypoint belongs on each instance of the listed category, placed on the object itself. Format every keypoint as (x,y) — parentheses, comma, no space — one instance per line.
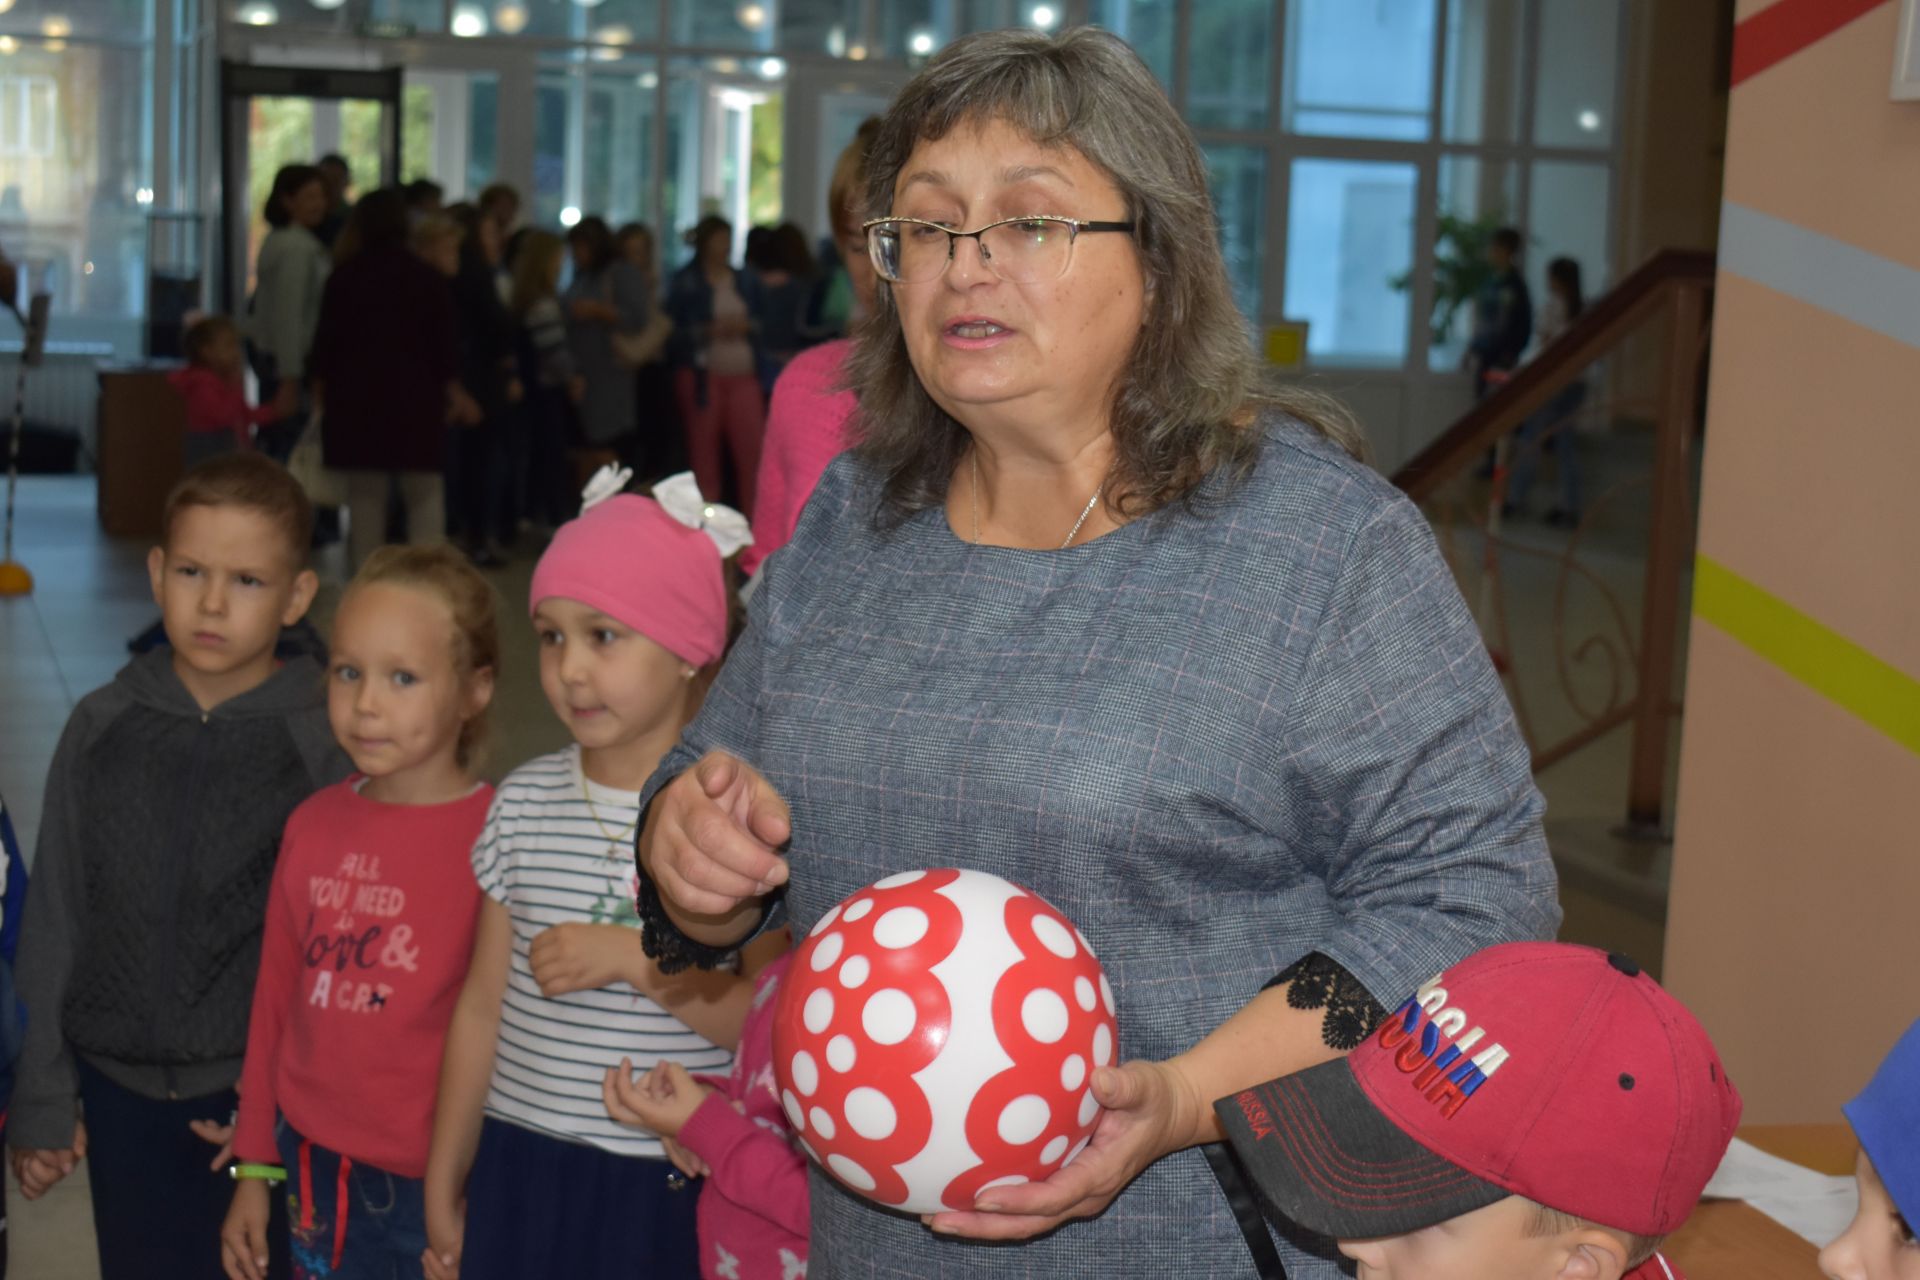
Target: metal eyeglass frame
(1074,227)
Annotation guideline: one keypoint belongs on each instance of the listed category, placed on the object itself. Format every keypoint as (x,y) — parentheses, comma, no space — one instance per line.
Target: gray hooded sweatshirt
(141,936)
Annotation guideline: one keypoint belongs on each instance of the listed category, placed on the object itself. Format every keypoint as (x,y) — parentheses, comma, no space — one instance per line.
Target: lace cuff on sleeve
(1321,983)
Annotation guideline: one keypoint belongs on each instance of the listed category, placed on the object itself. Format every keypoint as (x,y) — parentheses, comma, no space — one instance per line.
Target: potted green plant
(1460,267)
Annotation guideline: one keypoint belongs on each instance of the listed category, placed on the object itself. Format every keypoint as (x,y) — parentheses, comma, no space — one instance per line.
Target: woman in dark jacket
(478,506)
(384,365)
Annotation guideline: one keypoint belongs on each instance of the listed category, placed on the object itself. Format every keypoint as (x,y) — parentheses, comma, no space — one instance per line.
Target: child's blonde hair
(448,576)
(1552,1222)
(435,228)
(536,266)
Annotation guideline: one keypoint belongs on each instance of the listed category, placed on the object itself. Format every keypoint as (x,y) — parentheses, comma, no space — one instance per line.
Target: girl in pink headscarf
(528,1174)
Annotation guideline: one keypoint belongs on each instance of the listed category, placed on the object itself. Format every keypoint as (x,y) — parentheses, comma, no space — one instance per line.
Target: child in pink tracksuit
(753,1209)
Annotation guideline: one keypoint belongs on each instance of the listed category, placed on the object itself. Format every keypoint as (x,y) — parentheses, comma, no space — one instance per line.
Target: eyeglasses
(1030,250)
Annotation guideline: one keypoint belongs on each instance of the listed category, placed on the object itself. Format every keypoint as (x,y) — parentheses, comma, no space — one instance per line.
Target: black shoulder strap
(1266,1258)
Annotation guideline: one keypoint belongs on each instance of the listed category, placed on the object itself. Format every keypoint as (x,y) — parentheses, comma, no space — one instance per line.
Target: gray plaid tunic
(1217,738)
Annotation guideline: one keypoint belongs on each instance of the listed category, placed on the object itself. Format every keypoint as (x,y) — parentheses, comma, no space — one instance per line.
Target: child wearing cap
(1880,1243)
(528,1174)
(1540,1111)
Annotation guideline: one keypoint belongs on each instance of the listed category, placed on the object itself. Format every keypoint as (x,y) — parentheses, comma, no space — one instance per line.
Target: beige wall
(1794,925)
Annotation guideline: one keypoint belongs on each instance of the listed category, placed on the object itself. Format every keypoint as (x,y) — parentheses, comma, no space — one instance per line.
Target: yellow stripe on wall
(1816,655)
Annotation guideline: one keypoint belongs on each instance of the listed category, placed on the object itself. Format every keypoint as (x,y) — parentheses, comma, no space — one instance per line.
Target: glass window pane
(448,128)
(1485,44)
(483,130)
(982,15)
(1579,55)
(418,120)
(909,29)
(1229,63)
(1567,214)
(726,24)
(819,26)
(593,141)
(1476,197)
(723,156)
(339,16)
(1147,25)
(1349,236)
(609,21)
(1237,179)
(59,19)
(1360,68)
(71,161)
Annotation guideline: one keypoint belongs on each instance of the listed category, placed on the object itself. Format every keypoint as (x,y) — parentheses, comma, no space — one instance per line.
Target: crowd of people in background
(455,371)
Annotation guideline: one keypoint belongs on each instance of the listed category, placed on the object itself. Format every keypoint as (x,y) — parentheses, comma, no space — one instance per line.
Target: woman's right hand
(243,1237)
(713,835)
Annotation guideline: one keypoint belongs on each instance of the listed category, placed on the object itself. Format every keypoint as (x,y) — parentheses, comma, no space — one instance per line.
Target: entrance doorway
(276,116)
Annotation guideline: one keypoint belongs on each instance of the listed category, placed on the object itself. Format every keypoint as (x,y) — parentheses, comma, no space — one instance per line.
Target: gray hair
(1192,394)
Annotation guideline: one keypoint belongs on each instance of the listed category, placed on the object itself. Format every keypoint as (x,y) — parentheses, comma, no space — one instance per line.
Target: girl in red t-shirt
(369,926)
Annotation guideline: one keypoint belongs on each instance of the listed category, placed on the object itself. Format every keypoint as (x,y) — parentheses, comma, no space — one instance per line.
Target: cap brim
(1323,1156)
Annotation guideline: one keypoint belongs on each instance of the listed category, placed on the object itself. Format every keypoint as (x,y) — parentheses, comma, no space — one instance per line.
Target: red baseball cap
(1540,1069)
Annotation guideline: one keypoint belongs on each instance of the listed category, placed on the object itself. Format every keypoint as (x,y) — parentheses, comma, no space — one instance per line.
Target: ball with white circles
(937,1035)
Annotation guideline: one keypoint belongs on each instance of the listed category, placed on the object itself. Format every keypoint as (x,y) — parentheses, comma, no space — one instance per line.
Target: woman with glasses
(1089,608)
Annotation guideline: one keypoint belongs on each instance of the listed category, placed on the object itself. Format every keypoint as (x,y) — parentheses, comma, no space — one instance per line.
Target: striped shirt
(548,859)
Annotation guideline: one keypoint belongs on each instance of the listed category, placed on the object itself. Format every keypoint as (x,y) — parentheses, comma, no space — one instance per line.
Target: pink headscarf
(650,565)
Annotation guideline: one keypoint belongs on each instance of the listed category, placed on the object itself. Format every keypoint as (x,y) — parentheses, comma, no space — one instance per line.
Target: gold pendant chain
(973,496)
(616,841)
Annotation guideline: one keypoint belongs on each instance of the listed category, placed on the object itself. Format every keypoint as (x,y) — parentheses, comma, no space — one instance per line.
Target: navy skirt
(540,1206)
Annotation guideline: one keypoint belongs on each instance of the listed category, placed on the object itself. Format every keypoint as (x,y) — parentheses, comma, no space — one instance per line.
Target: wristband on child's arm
(261,1172)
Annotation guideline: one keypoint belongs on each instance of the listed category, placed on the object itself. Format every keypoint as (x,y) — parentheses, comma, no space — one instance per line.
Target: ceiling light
(8,45)
(772,68)
(58,28)
(920,43)
(469,20)
(752,16)
(510,18)
(1589,120)
(1045,17)
(569,216)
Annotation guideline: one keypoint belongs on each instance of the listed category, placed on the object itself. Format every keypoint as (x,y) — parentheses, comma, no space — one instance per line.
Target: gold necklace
(616,841)
(973,496)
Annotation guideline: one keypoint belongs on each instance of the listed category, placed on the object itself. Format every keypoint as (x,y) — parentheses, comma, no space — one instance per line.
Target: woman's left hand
(1150,1110)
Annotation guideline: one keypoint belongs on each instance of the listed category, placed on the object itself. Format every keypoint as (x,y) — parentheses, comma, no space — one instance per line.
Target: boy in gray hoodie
(164,809)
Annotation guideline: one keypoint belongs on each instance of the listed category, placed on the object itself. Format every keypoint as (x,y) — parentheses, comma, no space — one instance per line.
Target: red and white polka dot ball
(936,1036)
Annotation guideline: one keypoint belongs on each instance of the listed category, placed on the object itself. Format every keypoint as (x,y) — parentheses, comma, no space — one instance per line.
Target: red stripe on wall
(1784,29)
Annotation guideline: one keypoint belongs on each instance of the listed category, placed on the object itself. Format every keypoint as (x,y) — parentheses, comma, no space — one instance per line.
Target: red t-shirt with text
(369,931)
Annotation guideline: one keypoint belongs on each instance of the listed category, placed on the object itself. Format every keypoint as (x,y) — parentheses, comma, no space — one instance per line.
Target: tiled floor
(91,593)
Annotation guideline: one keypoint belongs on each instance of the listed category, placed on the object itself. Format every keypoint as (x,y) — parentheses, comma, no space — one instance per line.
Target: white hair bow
(680,497)
(608,482)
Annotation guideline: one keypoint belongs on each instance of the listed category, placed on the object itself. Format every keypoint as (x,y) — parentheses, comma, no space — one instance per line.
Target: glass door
(279,115)
(825,107)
